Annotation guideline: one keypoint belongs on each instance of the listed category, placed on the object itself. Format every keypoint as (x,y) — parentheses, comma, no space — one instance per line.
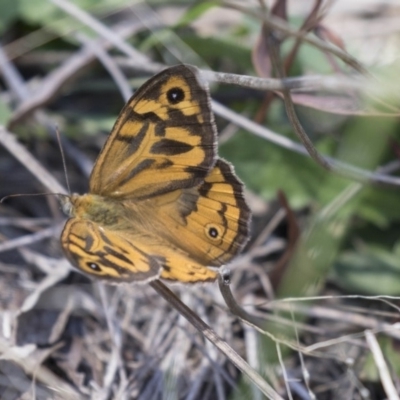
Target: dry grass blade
(31,363)
(387,382)
(9,141)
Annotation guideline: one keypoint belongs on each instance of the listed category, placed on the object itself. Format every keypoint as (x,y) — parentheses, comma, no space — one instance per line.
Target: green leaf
(5,113)
(267,168)
(195,12)
(9,12)
(373,271)
(213,49)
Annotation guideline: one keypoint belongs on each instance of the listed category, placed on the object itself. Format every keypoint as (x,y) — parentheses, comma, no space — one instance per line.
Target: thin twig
(273,45)
(286,31)
(11,77)
(115,362)
(224,287)
(352,318)
(28,239)
(334,83)
(102,30)
(68,71)
(109,64)
(203,328)
(347,170)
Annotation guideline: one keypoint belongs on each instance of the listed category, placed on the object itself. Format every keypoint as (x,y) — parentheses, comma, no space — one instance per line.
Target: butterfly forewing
(164,139)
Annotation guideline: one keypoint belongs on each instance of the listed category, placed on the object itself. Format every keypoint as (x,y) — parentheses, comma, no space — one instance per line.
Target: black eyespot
(213,233)
(175,95)
(93,266)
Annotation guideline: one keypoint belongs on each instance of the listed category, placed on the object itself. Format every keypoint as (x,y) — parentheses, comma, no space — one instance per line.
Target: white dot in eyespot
(175,95)
(213,232)
(93,266)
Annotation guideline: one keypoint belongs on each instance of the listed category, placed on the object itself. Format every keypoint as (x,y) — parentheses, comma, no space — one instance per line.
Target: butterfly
(161,204)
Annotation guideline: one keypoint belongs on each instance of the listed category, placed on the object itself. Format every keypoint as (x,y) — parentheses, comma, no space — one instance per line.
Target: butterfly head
(67,203)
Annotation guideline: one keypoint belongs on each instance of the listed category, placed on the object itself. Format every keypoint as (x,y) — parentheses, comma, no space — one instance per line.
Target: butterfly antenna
(27,194)
(63,159)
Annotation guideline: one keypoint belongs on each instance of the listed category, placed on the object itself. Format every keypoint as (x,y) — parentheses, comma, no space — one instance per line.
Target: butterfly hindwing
(118,257)
(222,203)
(107,254)
(210,221)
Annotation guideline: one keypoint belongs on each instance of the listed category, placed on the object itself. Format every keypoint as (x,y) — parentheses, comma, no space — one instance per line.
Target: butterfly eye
(175,95)
(93,266)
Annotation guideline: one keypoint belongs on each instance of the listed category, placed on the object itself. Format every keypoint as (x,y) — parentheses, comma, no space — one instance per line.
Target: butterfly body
(161,203)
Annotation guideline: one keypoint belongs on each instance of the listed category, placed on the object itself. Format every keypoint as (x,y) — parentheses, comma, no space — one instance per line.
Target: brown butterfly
(161,203)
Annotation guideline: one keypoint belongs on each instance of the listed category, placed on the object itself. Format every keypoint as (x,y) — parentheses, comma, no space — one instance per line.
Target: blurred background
(322,268)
